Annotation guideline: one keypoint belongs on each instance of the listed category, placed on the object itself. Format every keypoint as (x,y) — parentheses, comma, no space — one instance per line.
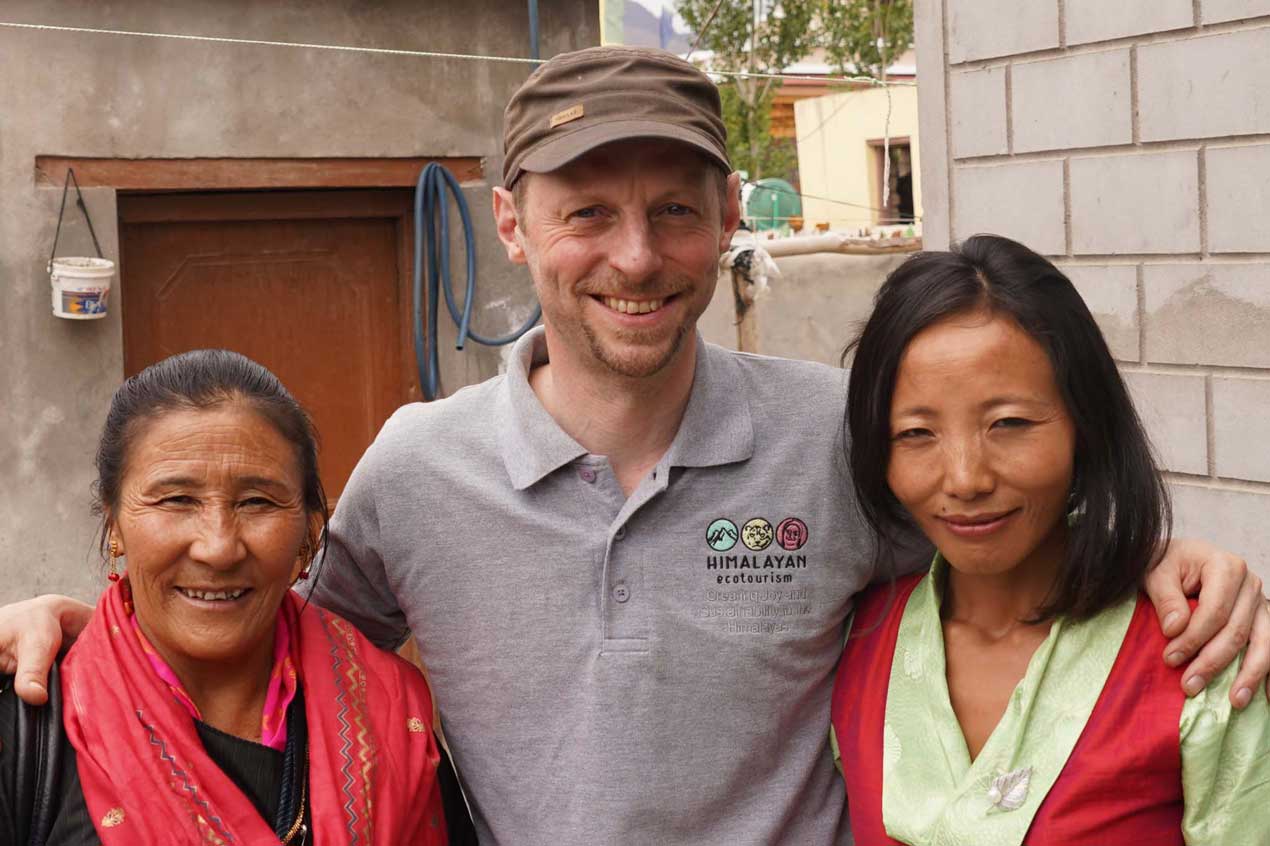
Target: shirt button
(587,474)
(621,593)
(620,533)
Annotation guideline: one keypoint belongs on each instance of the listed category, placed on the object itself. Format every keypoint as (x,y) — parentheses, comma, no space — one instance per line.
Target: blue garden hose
(432,238)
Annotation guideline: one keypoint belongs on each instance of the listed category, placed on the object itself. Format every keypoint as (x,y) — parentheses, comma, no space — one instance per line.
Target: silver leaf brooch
(1009,790)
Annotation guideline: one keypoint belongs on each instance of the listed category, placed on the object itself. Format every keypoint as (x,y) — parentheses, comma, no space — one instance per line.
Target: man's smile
(632,306)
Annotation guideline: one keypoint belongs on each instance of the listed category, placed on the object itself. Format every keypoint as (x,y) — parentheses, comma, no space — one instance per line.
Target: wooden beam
(242,174)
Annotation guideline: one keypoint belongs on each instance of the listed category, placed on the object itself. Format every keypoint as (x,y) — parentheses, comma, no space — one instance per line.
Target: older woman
(1015,692)
(205,702)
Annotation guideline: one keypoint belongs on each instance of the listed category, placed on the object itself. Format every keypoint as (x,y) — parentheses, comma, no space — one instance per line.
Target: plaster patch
(29,446)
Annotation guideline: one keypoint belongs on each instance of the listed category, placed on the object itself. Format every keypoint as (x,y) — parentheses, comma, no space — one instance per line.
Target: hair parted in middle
(1124,516)
(200,380)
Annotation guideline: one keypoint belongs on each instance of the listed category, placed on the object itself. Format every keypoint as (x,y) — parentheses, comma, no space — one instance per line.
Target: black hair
(1122,502)
(199,380)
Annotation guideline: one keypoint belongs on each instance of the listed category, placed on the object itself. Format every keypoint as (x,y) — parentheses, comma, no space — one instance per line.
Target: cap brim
(559,151)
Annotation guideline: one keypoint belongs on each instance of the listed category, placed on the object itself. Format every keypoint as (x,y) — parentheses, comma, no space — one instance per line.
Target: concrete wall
(110,96)
(815,307)
(1130,142)
(835,159)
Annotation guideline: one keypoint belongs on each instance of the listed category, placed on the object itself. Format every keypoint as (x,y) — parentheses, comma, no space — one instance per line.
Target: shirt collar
(716,428)
(534,445)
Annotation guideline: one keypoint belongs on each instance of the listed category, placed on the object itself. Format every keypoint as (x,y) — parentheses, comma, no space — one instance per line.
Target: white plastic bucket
(81,287)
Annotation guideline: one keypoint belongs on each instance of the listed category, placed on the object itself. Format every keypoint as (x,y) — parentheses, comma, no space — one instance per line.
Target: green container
(772,203)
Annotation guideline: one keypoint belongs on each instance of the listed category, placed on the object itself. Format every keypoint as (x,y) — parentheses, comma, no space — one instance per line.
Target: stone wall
(1130,142)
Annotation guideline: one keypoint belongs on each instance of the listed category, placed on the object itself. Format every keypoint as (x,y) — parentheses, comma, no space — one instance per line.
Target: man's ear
(731,211)
(507,221)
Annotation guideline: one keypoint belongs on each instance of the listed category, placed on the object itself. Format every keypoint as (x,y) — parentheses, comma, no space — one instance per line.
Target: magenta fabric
(278,696)
(147,778)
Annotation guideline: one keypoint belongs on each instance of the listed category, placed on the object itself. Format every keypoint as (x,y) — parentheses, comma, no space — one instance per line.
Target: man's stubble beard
(634,367)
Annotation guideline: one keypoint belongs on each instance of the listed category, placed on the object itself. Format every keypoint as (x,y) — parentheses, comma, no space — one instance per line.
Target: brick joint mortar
(1165,37)
(1210,429)
(1175,145)
(1221,484)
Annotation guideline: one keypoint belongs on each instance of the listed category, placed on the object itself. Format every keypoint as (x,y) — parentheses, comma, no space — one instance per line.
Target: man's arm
(31,634)
(33,631)
(353,583)
(1231,614)
(352,580)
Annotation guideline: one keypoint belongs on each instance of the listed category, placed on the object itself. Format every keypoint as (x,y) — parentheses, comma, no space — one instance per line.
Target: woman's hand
(1231,614)
(31,633)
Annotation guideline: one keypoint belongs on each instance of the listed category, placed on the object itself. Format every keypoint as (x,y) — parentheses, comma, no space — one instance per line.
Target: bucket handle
(79,200)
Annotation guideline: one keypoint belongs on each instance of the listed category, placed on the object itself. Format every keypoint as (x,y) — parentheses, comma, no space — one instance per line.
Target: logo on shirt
(757,534)
(759,576)
(721,535)
(791,534)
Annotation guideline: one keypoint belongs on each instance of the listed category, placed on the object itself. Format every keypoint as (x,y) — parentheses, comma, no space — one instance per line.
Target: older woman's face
(211,519)
(982,445)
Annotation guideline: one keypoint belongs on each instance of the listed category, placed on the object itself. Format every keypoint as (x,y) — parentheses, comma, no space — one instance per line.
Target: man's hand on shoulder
(31,633)
(1231,615)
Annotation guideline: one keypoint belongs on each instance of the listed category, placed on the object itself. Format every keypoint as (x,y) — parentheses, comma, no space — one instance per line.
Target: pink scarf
(278,695)
(147,779)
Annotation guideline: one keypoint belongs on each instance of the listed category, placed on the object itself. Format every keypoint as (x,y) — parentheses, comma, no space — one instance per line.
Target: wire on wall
(434,54)
(426,54)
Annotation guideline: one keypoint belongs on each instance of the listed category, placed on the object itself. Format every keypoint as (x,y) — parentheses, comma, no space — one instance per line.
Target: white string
(437,55)
(777,190)
(263,43)
(429,54)
(863,79)
(886,157)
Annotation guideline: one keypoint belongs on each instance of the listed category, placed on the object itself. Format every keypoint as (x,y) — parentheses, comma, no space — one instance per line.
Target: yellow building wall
(835,159)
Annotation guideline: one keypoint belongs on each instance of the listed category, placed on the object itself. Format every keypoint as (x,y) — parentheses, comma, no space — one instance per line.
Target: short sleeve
(350,578)
(1225,766)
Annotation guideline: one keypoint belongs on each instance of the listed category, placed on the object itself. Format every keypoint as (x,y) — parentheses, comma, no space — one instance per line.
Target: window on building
(895,206)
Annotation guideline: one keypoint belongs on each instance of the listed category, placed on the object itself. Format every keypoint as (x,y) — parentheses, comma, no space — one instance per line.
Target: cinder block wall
(1130,142)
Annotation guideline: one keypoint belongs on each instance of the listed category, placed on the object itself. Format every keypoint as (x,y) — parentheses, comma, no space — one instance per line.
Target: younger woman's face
(982,445)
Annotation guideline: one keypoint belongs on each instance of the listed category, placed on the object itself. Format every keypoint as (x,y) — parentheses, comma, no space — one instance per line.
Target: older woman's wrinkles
(212,501)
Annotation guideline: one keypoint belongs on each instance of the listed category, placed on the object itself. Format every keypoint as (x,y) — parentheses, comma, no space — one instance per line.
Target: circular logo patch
(722,535)
(757,534)
(791,533)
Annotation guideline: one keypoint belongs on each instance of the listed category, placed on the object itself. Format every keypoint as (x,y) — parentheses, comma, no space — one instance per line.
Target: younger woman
(1015,693)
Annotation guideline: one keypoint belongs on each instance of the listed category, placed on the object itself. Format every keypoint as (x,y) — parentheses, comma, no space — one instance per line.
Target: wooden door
(312,284)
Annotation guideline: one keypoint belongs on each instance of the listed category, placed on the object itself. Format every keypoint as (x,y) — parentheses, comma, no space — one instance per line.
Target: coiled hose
(432,241)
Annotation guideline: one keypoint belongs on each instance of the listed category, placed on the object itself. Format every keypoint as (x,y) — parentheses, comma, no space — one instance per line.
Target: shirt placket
(624,602)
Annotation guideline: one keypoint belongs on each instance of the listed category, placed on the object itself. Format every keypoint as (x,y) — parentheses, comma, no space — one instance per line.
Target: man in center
(629,560)
(622,648)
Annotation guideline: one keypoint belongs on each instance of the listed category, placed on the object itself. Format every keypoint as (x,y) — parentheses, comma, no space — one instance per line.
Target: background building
(842,141)
(1128,141)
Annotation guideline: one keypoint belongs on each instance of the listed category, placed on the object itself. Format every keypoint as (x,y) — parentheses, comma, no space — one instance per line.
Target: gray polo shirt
(610,670)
